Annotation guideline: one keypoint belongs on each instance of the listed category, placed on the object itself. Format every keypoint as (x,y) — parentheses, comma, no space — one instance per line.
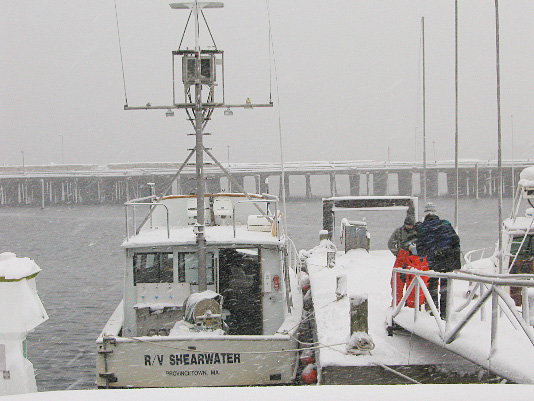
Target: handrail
(134,204)
(265,215)
(494,281)
(468,257)
(294,253)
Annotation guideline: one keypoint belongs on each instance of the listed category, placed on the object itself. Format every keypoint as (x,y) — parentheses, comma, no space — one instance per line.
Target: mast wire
(283,176)
(120,51)
(185,29)
(270,49)
(209,30)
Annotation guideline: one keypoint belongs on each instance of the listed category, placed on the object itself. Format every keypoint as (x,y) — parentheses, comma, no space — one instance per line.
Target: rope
(397,373)
(157,343)
(120,51)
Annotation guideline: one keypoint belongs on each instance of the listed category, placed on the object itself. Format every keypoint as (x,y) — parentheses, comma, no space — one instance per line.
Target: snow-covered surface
(21,309)
(370,273)
(434,392)
(526,178)
(186,235)
(519,224)
(13,268)
(514,353)
(367,273)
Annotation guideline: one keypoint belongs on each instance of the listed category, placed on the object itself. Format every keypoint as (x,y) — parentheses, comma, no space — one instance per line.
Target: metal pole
(199,122)
(513,163)
(62,150)
(456,202)
(424,112)
(42,193)
(499,153)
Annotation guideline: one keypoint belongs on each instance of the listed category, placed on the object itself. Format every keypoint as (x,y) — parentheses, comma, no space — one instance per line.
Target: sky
(345,77)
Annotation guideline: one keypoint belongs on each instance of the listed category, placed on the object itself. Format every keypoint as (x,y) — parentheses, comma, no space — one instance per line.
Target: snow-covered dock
(369,273)
(508,352)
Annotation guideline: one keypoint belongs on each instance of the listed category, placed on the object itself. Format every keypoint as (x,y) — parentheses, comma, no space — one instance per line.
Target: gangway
(498,337)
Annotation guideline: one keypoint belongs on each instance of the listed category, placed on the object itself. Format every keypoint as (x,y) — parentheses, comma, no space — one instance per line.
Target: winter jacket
(437,240)
(401,239)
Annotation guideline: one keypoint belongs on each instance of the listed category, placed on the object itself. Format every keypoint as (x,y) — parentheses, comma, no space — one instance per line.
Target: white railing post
(449,302)
(525,305)
(494,318)
(416,298)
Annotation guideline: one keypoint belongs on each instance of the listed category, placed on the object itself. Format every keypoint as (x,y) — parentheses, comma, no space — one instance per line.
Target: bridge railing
(486,286)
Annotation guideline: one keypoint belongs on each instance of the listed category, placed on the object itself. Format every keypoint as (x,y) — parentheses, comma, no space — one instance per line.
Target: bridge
(40,185)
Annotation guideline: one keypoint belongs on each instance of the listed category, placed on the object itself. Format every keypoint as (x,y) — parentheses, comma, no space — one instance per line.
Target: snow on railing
(489,286)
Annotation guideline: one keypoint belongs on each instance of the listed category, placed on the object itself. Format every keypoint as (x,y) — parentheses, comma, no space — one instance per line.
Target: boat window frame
(158,252)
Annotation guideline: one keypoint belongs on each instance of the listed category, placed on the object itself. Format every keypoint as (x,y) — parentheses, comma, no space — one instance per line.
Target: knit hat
(409,221)
(430,208)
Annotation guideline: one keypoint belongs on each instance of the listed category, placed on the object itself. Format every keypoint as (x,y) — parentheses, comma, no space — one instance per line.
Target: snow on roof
(520,224)
(214,235)
(13,268)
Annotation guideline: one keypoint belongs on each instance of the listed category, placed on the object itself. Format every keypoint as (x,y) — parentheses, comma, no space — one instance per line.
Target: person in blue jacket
(437,240)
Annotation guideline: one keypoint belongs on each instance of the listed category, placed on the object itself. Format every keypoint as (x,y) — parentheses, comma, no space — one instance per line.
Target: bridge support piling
(286,182)
(333,189)
(405,183)
(431,183)
(308,186)
(380,182)
(354,183)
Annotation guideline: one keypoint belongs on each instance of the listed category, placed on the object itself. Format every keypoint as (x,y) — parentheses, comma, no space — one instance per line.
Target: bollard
(341,286)
(358,313)
(323,234)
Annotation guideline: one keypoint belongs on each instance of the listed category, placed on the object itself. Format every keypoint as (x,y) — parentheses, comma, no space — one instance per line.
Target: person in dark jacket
(437,240)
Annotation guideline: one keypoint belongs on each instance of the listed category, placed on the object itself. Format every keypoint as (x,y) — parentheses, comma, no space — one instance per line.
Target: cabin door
(240,285)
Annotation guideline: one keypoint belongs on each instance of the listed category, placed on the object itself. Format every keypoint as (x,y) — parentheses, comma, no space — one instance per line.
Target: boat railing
(143,202)
(293,256)
(477,254)
(273,219)
(487,285)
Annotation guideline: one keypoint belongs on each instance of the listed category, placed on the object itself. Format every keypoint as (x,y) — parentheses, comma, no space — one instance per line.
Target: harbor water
(78,250)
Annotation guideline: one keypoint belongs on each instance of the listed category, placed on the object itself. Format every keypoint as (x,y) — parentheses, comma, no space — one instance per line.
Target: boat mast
(198,112)
(424,111)
(456,172)
(198,69)
(499,153)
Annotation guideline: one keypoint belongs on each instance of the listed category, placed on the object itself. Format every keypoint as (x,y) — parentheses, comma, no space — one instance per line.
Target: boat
(211,295)
(517,249)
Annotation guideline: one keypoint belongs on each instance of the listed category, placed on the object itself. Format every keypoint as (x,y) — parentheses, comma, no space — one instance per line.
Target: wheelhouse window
(154,267)
(526,250)
(188,268)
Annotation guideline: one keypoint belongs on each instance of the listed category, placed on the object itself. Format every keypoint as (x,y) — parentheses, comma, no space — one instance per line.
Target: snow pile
(13,268)
(526,178)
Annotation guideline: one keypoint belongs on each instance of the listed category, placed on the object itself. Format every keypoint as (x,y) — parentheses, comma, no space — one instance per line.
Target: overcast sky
(348,72)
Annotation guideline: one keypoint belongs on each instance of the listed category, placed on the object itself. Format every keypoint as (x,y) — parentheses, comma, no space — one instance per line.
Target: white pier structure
(483,324)
(499,337)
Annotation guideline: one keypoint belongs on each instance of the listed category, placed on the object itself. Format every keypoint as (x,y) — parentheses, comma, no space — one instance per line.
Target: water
(78,249)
